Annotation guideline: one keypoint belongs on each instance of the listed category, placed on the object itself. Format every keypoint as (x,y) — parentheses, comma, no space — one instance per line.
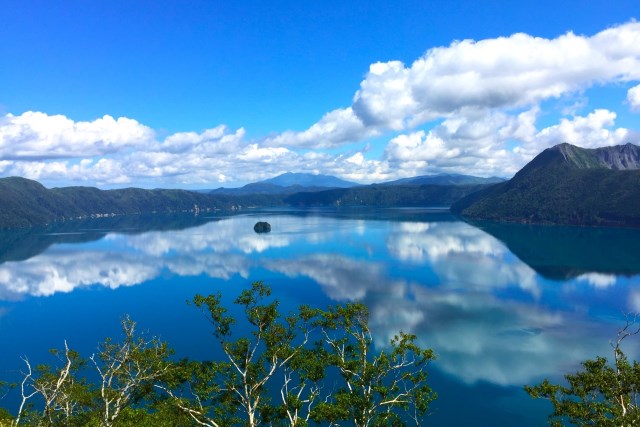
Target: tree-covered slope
(444,179)
(566,184)
(26,203)
(385,195)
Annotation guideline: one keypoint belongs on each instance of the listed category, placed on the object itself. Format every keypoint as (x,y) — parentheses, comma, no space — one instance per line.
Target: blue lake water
(501,305)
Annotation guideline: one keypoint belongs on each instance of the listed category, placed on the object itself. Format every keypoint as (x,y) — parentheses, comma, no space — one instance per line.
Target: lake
(501,305)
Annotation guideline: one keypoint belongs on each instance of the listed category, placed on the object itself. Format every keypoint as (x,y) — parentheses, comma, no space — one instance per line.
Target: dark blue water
(502,306)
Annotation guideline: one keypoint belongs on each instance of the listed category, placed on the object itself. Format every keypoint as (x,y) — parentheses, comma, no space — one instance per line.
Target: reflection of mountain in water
(562,253)
(24,243)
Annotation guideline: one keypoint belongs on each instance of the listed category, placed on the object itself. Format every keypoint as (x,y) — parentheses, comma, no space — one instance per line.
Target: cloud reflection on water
(458,288)
(478,336)
(65,271)
(462,256)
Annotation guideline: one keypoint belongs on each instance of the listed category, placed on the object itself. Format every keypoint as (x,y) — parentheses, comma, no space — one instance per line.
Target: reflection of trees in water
(23,243)
(562,253)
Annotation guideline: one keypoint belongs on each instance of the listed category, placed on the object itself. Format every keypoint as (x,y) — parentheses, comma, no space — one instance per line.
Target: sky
(204,94)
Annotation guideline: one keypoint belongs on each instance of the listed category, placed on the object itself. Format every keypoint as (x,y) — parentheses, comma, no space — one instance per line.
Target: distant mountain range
(431,195)
(292,183)
(26,203)
(565,184)
(445,179)
(288,183)
(309,180)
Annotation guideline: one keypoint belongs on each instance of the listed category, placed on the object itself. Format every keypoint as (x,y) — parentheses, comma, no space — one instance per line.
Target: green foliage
(5,417)
(63,394)
(601,394)
(379,389)
(128,371)
(240,385)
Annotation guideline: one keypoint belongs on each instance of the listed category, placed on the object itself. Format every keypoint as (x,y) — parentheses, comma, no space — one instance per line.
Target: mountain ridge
(26,203)
(288,183)
(565,184)
(288,179)
(444,179)
(617,157)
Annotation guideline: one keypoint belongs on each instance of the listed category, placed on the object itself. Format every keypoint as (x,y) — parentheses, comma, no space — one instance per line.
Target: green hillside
(565,185)
(26,203)
(385,195)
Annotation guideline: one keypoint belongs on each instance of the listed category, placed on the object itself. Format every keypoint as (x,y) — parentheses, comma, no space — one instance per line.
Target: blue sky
(203,94)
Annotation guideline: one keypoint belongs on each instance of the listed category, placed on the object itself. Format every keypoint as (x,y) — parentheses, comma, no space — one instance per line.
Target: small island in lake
(262,227)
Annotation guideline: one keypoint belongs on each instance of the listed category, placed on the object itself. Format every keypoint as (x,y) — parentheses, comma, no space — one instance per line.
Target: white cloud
(336,128)
(419,146)
(501,73)
(35,135)
(633,98)
(591,131)
(385,97)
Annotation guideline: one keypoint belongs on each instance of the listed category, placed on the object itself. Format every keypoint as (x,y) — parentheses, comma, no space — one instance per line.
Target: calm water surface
(502,306)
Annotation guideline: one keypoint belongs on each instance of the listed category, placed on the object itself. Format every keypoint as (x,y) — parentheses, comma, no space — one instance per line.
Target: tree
(601,394)
(126,372)
(63,396)
(380,389)
(224,393)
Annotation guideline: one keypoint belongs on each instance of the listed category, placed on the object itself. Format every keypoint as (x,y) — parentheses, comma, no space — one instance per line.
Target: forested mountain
(288,183)
(566,184)
(25,203)
(385,196)
(291,183)
(444,179)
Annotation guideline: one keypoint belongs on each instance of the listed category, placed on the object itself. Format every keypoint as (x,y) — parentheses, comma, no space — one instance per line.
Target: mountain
(444,179)
(385,196)
(288,183)
(26,203)
(299,186)
(309,180)
(565,184)
(427,190)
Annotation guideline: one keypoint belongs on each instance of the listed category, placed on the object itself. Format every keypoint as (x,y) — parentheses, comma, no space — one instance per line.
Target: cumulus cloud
(501,73)
(336,128)
(590,131)
(633,98)
(35,135)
